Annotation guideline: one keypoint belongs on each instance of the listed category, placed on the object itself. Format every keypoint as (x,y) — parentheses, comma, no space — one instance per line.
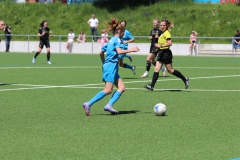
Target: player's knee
(108,91)
(170,71)
(122,89)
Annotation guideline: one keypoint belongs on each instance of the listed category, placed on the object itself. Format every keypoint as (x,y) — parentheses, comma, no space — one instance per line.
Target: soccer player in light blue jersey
(110,69)
(127,38)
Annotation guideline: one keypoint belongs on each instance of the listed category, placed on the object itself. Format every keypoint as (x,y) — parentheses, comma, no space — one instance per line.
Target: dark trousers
(7,40)
(94,31)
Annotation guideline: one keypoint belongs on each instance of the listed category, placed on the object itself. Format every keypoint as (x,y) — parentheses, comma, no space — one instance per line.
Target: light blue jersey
(110,65)
(127,36)
(104,48)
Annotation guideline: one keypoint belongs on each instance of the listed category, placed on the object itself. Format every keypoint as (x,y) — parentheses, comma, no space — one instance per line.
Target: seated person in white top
(81,37)
(70,41)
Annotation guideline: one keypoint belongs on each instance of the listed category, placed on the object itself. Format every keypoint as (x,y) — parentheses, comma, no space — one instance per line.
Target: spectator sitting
(236,40)
(104,38)
(70,41)
(81,37)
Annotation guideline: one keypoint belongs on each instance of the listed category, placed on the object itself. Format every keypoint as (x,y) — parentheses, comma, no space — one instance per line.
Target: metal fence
(204,44)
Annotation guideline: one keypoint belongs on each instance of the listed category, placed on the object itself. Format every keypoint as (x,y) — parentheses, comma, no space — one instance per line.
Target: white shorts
(70,41)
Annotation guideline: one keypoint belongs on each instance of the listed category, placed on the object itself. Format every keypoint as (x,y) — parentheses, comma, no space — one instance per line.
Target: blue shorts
(122,55)
(236,46)
(110,72)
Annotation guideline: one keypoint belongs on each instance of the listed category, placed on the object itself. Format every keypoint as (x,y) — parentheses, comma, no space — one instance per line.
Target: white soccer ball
(160,109)
(33,51)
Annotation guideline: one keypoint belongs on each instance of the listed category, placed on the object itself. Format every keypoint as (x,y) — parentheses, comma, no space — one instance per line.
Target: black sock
(36,54)
(154,79)
(48,56)
(148,66)
(179,75)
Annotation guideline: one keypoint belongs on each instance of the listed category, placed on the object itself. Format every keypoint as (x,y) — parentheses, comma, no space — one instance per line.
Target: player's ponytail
(112,26)
(169,24)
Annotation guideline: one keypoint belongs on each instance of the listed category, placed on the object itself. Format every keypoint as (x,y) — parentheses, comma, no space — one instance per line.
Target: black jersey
(155,31)
(7,33)
(46,35)
(237,37)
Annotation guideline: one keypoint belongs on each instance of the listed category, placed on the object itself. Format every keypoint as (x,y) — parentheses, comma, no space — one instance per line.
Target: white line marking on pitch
(90,67)
(88,85)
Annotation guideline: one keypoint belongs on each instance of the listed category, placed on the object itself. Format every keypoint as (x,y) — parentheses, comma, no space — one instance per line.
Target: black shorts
(165,56)
(43,43)
(193,41)
(154,50)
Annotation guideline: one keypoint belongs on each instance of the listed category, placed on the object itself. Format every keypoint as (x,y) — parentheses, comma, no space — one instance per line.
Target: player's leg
(177,74)
(48,55)
(150,60)
(40,47)
(125,65)
(157,68)
(129,57)
(116,95)
(47,44)
(100,95)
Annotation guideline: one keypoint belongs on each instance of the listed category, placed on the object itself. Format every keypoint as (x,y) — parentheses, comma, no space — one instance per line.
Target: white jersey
(71,37)
(93,22)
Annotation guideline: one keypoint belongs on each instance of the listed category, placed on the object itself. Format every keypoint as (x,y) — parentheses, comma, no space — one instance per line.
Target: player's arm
(134,49)
(150,35)
(102,57)
(101,53)
(131,38)
(168,44)
(40,33)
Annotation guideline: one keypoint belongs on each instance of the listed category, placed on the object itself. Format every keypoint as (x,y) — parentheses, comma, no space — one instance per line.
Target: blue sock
(127,55)
(116,95)
(97,97)
(163,69)
(127,66)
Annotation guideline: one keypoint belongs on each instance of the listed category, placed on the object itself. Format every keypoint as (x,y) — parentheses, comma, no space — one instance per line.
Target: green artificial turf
(41,114)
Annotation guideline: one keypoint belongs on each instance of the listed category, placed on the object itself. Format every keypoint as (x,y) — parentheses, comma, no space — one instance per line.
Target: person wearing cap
(236,40)
(193,40)
(70,41)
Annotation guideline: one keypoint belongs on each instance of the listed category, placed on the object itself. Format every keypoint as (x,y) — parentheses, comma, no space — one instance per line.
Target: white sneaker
(144,75)
(134,69)
(33,60)
(48,62)
(164,72)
